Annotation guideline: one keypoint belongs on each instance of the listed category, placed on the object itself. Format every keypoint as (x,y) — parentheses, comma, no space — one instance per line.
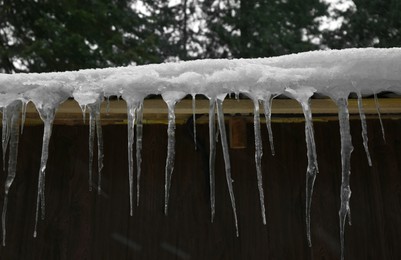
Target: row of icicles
(11,131)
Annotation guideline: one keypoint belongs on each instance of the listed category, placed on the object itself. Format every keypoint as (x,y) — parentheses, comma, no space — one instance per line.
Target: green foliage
(369,23)
(72,34)
(172,24)
(261,28)
(44,35)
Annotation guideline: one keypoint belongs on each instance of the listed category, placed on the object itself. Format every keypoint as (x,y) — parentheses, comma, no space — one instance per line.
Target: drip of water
(267,105)
(364,128)
(380,117)
(224,144)
(346,150)
(14,110)
(139,131)
(212,155)
(194,117)
(132,107)
(47,115)
(258,157)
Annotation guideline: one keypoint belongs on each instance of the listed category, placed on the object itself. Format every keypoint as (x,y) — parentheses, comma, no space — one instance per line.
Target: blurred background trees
(44,35)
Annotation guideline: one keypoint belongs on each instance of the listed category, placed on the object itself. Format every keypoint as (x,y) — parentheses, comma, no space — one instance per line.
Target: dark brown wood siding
(82,225)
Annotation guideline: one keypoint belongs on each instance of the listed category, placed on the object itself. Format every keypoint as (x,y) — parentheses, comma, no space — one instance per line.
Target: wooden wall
(82,225)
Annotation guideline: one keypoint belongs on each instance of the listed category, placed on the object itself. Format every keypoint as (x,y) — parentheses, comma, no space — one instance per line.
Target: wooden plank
(82,225)
(155,110)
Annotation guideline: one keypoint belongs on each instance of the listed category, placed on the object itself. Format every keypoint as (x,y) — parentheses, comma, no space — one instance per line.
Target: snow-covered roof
(334,73)
(329,72)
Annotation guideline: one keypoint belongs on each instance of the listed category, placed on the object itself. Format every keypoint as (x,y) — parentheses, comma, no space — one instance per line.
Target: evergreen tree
(72,34)
(175,25)
(374,23)
(261,28)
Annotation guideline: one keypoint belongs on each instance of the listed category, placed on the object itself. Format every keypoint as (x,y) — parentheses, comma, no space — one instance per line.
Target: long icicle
(380,117)
(170,153)
(194,117)
(364,127)
(346,150)
(258,156)
(48,118)
(212,155)
(139,131)
(95,125)
(15,109)
(224,144)
(23,116)
(92,125)
(100,154)
(170,98)
(5,134)
(131,113)
(312,169)
(267,104)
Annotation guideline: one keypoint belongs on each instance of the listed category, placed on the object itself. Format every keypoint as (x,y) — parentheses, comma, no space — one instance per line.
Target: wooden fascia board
(155,110)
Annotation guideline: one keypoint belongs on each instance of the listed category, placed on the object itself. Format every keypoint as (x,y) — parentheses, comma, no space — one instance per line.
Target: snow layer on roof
(334,73)
(330,72)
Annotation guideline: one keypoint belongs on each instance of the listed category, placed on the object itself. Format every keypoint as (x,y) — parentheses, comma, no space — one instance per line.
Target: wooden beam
(155,110)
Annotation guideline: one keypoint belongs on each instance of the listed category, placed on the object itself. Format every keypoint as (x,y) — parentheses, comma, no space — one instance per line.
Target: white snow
(333,73)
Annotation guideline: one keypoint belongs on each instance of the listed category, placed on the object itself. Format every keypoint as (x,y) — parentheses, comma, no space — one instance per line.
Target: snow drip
(335,74)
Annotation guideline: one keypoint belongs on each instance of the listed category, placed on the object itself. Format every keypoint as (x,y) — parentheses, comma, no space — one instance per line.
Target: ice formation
(334,74)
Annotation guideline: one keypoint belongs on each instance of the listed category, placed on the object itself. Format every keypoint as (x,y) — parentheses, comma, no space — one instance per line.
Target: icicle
(5,134)
(14,109)
(23,117)
(303,95)
(139,130)
(212,155)
(132,107)
(107,105)
(267,104)
(346,150)
(91,145)
(83,108)
(258,156)
(194,116)
(380,117)
(47,115)
(171,98)
(364,127)
(312,169)
(100,154)
(224,144)
(95,124)
(170,154)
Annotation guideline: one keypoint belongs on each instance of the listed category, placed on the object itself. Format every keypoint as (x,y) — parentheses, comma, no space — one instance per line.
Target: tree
(261,28)
(42,35)
(175,25)
(375,23)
